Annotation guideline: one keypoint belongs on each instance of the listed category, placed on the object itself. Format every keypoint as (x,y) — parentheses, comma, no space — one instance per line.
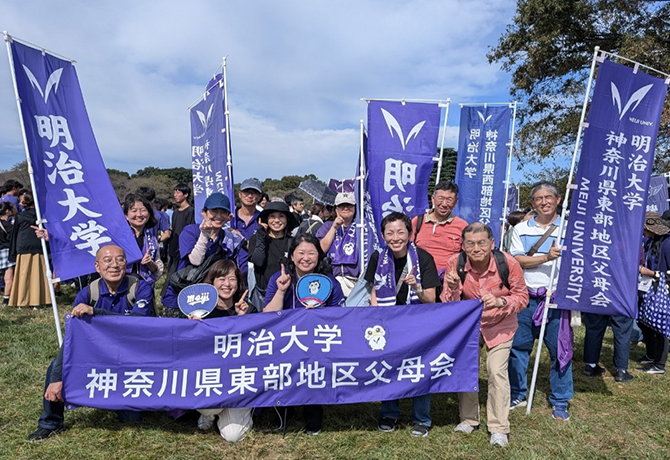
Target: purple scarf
(566,337)
(385,284)
(343,250)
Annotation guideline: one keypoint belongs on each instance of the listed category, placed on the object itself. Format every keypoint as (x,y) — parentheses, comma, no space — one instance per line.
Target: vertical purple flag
(512,199)
(76,197)
(599,268)
(209,147)
(657,201)
(481,165)
(402,142)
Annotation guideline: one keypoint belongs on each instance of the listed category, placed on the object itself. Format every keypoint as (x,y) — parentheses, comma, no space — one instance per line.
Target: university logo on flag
(209,147)
(480,170)
(77,200)
(599,268)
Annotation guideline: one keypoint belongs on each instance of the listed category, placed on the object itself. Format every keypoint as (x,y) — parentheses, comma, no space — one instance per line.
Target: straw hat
(655,224)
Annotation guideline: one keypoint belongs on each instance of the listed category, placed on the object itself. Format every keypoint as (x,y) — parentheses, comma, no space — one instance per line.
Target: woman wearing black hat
(268,247)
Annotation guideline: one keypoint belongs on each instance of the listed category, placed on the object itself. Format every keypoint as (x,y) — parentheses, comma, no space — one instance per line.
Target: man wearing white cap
(339,240)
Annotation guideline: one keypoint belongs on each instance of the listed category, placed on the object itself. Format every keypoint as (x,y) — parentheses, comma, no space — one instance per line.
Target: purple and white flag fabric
(287,358)
(657,200)
(209,147)
(512,199)
(482,162)
(599,266)
(370,237)
(341,186)
(76,198)
(402,143)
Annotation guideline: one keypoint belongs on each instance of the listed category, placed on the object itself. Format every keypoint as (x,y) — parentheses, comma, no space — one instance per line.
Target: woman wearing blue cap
(198,242)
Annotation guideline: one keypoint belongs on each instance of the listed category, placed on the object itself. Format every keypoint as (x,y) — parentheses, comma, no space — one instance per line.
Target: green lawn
(608,420)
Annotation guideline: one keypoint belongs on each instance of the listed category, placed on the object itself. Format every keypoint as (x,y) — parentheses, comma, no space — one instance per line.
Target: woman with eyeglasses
(402,274)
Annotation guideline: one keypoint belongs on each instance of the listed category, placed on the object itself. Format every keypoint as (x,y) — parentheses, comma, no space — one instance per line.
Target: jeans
(53,412)
(420,410)
(595,326)
(522,346)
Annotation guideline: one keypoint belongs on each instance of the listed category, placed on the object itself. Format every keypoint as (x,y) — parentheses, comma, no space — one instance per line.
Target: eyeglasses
(108,261)
(444,199)
(481,243)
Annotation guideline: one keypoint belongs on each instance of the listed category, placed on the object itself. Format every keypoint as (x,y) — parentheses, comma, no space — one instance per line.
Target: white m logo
(636,98)
(203,120)
(54,80)
(393,125)
(481,116)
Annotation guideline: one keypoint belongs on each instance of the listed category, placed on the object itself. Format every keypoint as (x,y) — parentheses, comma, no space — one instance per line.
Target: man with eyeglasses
(118,293)
(438,232)
(534,247)
(245,218)
(497,279)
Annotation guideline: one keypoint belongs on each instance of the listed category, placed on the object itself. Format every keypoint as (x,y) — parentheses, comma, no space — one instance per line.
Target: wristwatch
(504,302)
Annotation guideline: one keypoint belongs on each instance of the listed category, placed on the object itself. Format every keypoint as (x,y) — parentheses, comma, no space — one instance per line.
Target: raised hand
(338,222)
(241,307)
(410,279)
(146,259)
(40,232)
(284,280)
(452,278)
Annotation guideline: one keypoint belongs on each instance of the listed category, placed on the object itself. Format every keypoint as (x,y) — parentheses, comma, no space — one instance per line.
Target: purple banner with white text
(341,186)
(402,142)
(599,267)
(209,148)
(294,357)
(73,189)
(657,201)
(512,199)
(482,163)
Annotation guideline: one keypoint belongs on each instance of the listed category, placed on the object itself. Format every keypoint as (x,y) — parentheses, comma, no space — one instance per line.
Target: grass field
(608,420)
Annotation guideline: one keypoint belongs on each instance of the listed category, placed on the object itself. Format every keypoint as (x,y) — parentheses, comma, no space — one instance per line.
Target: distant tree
(175,175)
(448,171)
(17,172)
(548,49)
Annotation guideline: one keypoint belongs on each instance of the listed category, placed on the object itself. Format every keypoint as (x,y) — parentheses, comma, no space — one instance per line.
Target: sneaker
(499,440)
(465,428)
(420,430)
(206,422)
(623,376)
(560,413)
(518,403)
(312,432)
(595,371)
(652,369)
(42,433)
(645,360)
(386,424)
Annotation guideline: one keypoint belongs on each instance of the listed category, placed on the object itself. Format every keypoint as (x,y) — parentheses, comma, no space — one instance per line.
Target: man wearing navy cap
(244,219)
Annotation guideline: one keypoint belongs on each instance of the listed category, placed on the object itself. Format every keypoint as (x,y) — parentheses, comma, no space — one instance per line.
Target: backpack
(501,264)
(192,274)
(133,282)
(419,223)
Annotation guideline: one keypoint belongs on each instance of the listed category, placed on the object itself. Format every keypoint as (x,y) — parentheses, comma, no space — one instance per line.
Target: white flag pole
(360,207)
(229,154)
(509,170)
(444,135)
(40,221)
(554,263)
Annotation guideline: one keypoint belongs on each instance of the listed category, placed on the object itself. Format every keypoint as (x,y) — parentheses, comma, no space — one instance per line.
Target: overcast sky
(296,72)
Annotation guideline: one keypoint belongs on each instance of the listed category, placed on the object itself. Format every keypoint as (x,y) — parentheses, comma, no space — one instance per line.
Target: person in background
(7,213)
(140,217)
(245,218)
(312,225)
(10,192)
(657,260)
(264,200)
(30,286)
(514,218)
(339,241)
